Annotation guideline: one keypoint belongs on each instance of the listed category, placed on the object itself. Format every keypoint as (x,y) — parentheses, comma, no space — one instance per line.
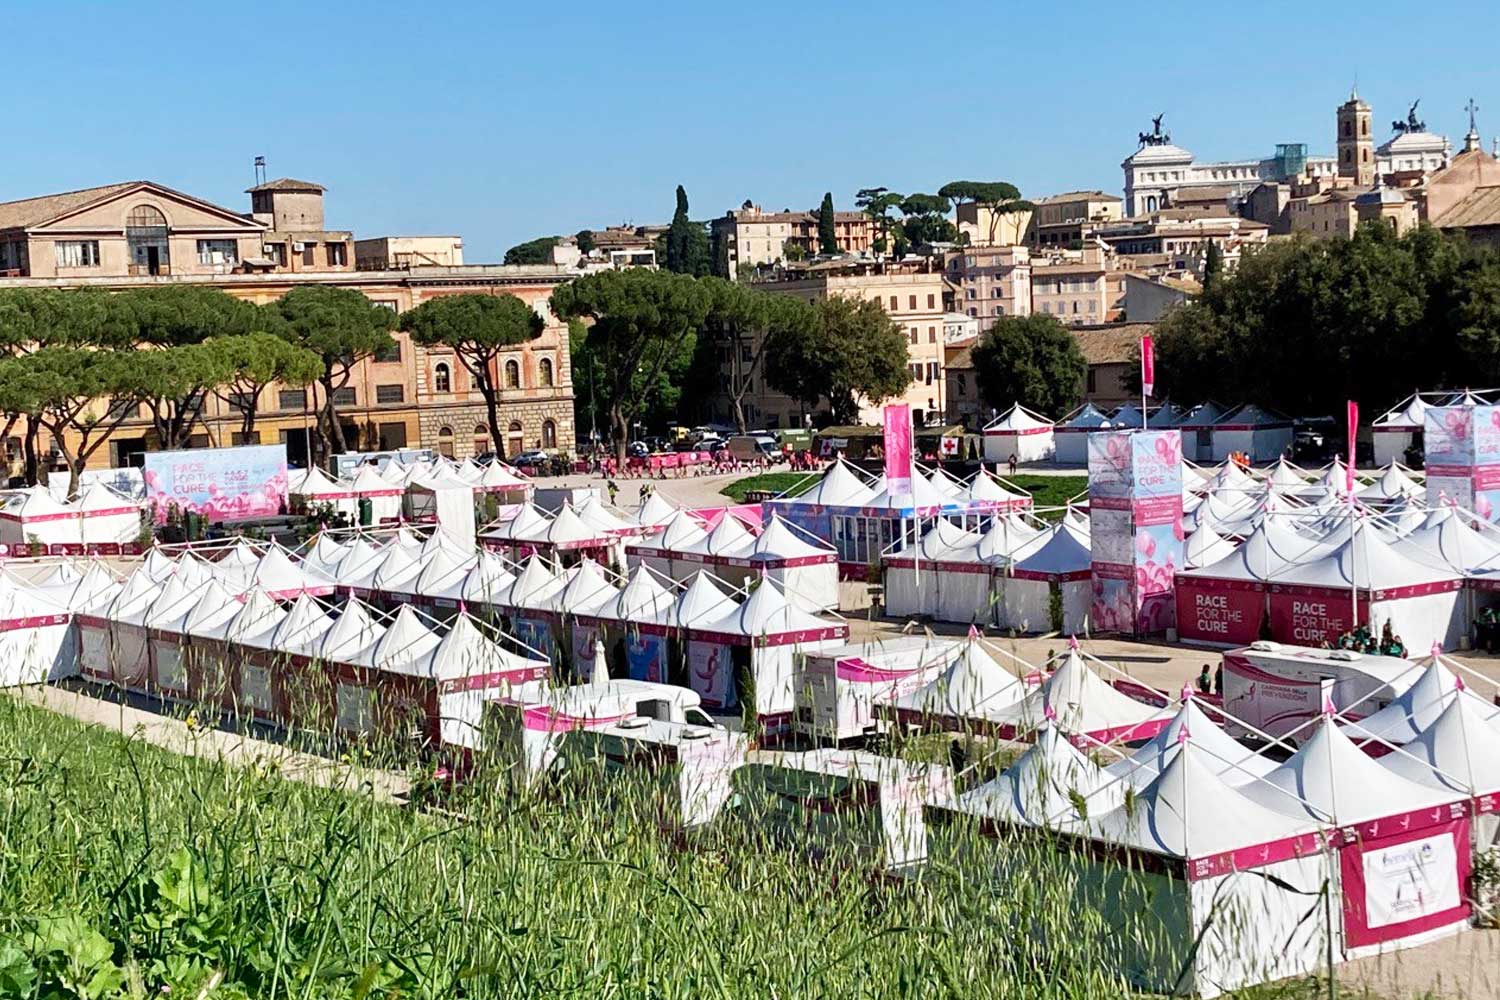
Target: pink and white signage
(1462,448)
(222,484)
(1135,499)
(898,449)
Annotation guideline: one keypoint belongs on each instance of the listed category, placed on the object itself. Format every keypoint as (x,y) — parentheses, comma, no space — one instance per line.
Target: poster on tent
(1113,604)
(1110,467)
(222,484)
(1307,617)
(584,637)
(711,673)
(1448,440)
(536,634)
(1158,557)
(1212,611)
(1485,500)
(1398,886)
(646,657)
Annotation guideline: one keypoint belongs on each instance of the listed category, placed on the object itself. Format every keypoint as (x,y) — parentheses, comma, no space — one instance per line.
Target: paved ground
(1463,967)
(214,744)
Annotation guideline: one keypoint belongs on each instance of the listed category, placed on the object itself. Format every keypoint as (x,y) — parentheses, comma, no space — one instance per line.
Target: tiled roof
(287,184)
(1481,207)
(1107,345)
(35,211)
(1053,199)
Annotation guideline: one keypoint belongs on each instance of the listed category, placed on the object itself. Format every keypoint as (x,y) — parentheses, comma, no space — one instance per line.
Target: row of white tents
(1210,433)
(99,518)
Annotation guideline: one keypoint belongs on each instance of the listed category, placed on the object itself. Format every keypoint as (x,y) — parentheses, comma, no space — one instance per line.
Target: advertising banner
(583,651)
(1156,464)
(711,671)
(1218,614)
(222,484)
(1136,532)
(1311,620)
(1148,366)
(1396,887)
(1272,703)
(538,635)
(1110,466)
(1448,436)
(647,657)
(898,449)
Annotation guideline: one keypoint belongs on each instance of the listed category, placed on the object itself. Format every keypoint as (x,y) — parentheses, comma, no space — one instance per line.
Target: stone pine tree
(827,237)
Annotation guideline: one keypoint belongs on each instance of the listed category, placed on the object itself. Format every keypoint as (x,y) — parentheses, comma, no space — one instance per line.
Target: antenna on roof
(260,170)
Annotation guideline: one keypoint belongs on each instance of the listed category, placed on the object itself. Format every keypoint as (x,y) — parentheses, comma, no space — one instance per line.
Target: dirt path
(215,744)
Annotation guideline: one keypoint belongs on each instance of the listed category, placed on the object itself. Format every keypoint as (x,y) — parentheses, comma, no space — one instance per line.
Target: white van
(1277,688)
(748,447)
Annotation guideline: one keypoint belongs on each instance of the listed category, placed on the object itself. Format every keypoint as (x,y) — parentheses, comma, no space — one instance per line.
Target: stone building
(752,236)
(990,282)
(409,397)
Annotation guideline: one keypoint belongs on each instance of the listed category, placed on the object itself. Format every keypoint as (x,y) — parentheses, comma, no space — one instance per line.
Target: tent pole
(1353,570)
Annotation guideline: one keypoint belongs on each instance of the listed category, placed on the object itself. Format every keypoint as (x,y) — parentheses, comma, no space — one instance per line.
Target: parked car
(637,449)
(534,460)
(747,448)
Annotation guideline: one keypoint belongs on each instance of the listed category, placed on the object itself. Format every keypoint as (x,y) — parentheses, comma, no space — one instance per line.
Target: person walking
(614,490)
(1206,680)
(1012,466)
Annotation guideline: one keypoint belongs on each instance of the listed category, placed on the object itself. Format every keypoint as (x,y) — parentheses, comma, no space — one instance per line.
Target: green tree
(537,251)
(253,362)
(877,203)
(925,219)
(175,315)
(342,328)
(849,351)
(828,242)
(70,391)
(644,324)
(999,198)
(1031,360)
(1213,264)
(742,322)
(687,246)
(479,328)
(585,240)
(173,383)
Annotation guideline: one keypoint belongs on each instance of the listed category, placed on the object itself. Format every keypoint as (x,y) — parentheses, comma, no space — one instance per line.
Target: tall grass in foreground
(125,870)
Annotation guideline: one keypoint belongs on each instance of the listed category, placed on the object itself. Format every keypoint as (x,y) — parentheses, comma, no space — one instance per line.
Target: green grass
(776,482)
(129,872)
(1046,491)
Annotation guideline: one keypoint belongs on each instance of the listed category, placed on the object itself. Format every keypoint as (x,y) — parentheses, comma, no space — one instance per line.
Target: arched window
(515,443)
(442,380)
(145,217)
(549,434)
(512,375)
(445,442)
(545,370)
(481,439)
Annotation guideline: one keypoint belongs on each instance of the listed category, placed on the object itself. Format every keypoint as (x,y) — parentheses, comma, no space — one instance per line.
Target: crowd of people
(1361,640)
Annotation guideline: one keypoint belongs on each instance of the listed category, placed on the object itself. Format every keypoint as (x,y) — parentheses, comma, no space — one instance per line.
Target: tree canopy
(252,362)
(644,326)
(844,350)
(1303,325)
(685,244)
(1000,198)
(478,328)
(537,251)
(877,203)
(828,242)
(925,219)
(343,328)
(1031,360)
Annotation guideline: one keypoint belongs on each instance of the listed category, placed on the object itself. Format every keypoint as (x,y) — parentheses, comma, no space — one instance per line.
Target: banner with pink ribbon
(1148,366)
(1136,538)
(898,449)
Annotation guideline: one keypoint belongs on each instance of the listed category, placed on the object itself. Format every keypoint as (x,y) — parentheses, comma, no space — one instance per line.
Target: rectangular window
(307,254)
(932,372)
(239,437)
(893,303)
(931,302)
(1092,382)
(345,396)
(932,335)
(392,436)
(390,393)
(338,254)
(913,335)
(218,252)
(291,399)
(911,302)
(240,401)
(77,253)
(393,354)
(277,253)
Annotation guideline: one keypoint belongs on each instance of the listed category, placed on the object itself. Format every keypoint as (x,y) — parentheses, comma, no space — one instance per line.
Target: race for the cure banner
(1110,466)
(1213,611)
(1306,620)
(1448,437)
(1136,536)
(898,449)
(222,484)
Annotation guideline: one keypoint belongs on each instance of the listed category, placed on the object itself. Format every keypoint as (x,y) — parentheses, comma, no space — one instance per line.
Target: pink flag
(1353,433)
(898,449)
(1148,366)
(1072,642)
(1187,692)
(1049,712)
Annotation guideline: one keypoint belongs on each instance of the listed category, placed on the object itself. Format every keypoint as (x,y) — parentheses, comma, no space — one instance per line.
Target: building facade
(1063,221)
(1078,287)
(752,237)
(990,282)
(409,397)
(399,253)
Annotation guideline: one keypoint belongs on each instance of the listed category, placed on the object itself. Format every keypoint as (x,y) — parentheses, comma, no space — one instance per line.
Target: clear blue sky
(503,121)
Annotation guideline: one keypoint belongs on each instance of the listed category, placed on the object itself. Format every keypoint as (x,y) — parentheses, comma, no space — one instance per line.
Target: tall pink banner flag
(1148,366)
(898,448)
(1353,433)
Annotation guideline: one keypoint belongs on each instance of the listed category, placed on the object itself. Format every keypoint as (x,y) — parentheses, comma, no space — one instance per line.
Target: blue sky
(500,121)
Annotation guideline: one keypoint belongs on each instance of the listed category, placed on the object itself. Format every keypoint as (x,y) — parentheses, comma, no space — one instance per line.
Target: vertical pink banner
(898,448)
(1148,366)
(1353,433)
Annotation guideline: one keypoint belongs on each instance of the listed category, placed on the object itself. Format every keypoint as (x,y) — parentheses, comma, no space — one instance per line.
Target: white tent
(1205,547)
(1018,433)
(1256,432)
(127,662)
(1395,483)
(167,635)
(725,548)
(33,515)
(1044,786)
(442,574)
(107,517)
(1447,536)
(1415,709)
(497,477)
(484,585)
(314,487)
(353,636)
(446,499)
(660,551)
(1223,891)
(807,571)
(1060,558)
(1284,475)
(301,632)
(654,514)
(1071,436)
(974,689)
(912,586)
(36,641)
(1458,751)
(383,494)
(1080,703)
(1394,431)
(1197,432)
(1228,759)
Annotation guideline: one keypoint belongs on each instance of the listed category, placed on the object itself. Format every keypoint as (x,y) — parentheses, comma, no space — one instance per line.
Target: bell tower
(1356,145)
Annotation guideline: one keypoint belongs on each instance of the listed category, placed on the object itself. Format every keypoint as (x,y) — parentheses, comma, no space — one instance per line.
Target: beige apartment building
(973,222)
(751,236)
(913,295)
(1084,287)
(990,282)
(409,397)
(397,253)
(1062,220)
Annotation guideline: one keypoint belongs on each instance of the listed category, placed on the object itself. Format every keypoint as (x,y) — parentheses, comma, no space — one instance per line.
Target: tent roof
(656,511)
(946,541)
(216,607)
(1369,562)
(35,501)
(1446,536)
(1007,535)
(1226,757)
(729,538)
(1187,811)
(443,572)
(1065,550)
(1392,484)
(945,484)
(1416,708)
(1267,549)
(1166,415)
(315,483)
(369,480)
(597,516)
(779,541)
(1329,776)
(701,602)
(303,628)
(255,624)
(682,529)
(134,599)
(528,522)
(353,634)
(1461,742)
(765,612)
(1205,547)
(1039,788)
(325,555)
(1018,418)
(534,585)
(974,686)
(923,496)
(642,599)
(1253,414)
(1203,415)
(1086,417)
(1412,415)
(986,489)
(1077,700)
(171,607)
(17,600)
(407,640)
(839,487)
(586,589)
(98,496)
(489,580)
(1285,474)
(465,651)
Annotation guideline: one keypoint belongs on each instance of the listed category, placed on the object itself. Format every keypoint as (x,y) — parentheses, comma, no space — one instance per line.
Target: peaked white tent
(945,554)
(1079,702)
(383,494)
(661,551)
(1204,547)
(1059,558)
(34,515)
(1071,436)
(107,518)
(967,696)
(808,571)
(1458,751)
(1394,431)
(1043,786)
(314,487)
(1018,433)
(36,640)
(1228,759)
(1415,709)
(1394,484)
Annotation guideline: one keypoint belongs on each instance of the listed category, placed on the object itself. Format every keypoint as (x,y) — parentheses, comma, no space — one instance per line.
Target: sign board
(898,449)
(222,484)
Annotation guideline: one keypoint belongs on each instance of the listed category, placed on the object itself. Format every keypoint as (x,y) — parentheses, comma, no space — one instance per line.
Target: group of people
(1361,640)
